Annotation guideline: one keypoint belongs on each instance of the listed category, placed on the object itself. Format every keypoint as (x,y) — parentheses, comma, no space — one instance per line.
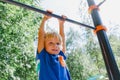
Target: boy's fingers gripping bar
(63,17)
(49,12)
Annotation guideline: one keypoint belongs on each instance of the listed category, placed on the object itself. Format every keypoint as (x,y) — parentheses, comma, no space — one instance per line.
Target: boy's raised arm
(61,32)
(41,33)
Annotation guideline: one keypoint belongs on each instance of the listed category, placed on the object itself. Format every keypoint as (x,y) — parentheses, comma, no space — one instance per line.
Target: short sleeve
(62,54)
(39,55)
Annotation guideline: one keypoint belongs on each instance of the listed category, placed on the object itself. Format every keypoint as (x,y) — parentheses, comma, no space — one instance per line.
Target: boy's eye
(58,43)
(51,43)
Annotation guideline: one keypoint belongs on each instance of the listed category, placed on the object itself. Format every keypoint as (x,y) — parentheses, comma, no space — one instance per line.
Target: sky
(65,7)
(109,10)
(68,8)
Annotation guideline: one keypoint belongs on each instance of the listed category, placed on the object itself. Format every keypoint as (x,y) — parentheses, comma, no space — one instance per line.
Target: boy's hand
(47,16)
(61,21)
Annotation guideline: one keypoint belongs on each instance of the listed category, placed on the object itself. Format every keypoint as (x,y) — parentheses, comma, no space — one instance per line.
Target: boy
(50,52)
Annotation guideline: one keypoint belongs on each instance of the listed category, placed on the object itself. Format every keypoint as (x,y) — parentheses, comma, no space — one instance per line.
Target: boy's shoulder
(62,54)
(38,55)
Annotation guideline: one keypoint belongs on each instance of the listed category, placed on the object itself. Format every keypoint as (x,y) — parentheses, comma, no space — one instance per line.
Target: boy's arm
(61,31)
(41,34)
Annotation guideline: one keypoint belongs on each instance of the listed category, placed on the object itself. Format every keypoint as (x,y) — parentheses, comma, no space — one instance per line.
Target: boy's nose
(55,45)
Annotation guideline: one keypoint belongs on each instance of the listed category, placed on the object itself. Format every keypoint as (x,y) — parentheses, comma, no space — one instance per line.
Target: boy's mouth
(54,50)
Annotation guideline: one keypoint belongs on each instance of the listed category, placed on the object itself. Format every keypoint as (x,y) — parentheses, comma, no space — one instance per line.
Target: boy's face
(52,45)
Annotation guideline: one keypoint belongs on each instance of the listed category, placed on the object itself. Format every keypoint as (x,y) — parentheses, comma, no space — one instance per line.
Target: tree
(18,29)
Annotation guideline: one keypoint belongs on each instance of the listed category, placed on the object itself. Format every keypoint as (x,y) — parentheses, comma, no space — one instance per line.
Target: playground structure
(99,29)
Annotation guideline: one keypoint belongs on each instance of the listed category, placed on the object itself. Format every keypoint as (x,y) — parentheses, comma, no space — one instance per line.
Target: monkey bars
(45,12)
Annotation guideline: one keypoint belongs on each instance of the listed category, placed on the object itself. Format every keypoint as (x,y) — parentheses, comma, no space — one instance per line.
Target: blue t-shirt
(50,67)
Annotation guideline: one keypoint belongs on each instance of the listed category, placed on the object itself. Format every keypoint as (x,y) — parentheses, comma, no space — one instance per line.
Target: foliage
(84,61)
(18,31)
(75,66)
(73,62)
(114,40)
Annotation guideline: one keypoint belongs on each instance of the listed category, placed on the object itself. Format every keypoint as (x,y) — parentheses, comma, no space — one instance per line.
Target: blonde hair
(53,35)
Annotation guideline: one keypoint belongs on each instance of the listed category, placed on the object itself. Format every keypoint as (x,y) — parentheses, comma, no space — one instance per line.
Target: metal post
(110,63)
